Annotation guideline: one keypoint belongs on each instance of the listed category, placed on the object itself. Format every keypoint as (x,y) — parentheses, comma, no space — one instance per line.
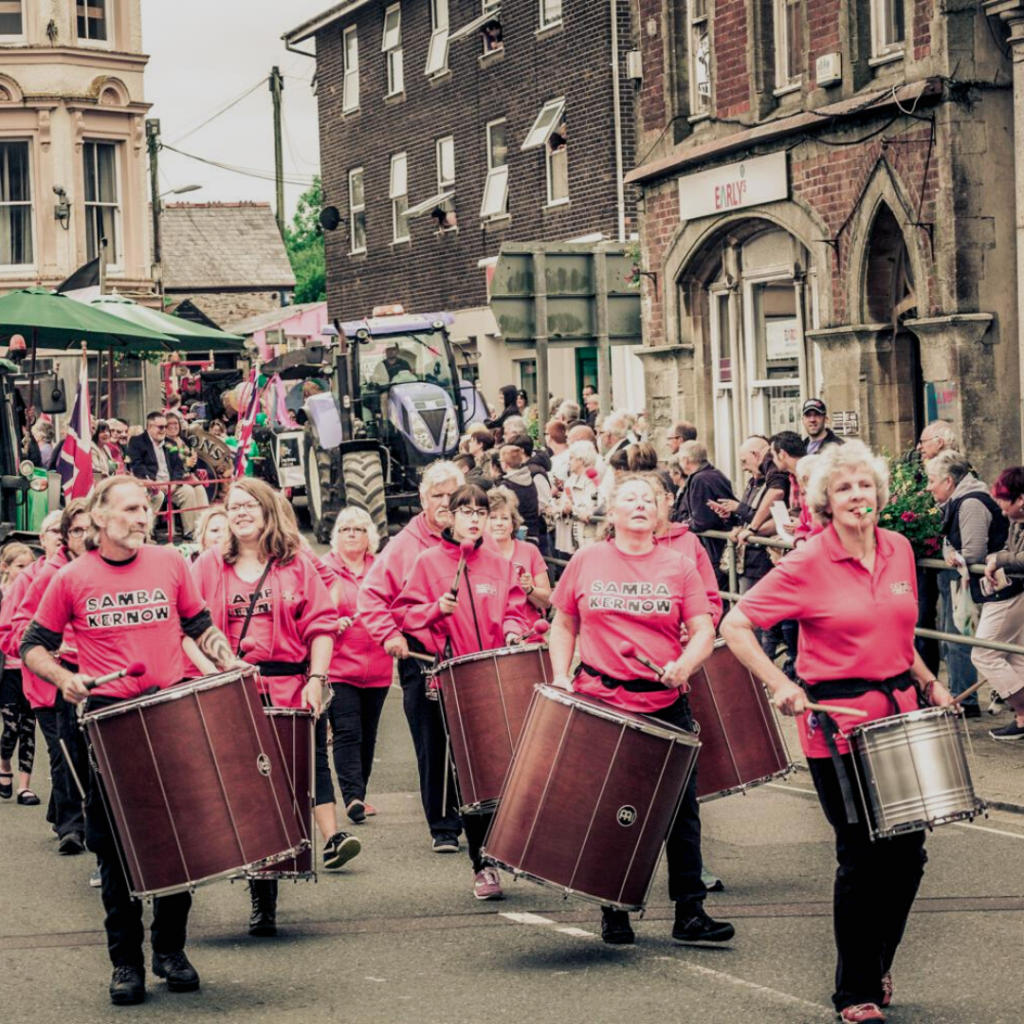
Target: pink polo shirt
(853,624)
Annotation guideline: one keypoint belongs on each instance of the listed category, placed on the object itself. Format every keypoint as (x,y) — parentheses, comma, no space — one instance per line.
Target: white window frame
(391,47)
(496,184)
(108,24)
(550,116)
(785,47)
(700,26)
(883,12)
(490,10)
(350,88)
(551,156)
(10,203)
(445,182)
(19,5)
(114,251)
(355,209)
(398,193)
(550,13)
(437,49)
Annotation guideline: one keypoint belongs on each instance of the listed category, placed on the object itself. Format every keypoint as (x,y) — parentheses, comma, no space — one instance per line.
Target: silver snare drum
(913,773)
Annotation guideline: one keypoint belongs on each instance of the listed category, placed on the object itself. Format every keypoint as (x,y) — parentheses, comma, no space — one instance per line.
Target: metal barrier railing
(168,511)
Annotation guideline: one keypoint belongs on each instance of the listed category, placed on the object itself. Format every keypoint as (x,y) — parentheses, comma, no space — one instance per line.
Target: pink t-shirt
(124,613)
(526,557)
(641,599)
(854,624)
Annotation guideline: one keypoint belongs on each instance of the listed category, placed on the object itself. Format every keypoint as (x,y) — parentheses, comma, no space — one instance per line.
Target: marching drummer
(853,590)
(126,601)
(632,590)
(261,589)
(531,569)
(488,611)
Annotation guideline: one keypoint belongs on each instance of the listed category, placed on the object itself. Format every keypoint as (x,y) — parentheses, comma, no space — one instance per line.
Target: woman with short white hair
(581,499)
(361,671)
(853,590)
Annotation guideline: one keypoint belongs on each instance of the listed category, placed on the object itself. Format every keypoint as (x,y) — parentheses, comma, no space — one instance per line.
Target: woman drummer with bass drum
(853,590)
(635,590)
(487,612)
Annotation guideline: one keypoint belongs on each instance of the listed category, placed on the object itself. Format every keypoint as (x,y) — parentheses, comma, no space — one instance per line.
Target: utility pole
(153,146)
(276,86)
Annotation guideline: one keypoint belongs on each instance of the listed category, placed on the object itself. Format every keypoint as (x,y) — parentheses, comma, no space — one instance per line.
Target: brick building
(449,127)
(827,192)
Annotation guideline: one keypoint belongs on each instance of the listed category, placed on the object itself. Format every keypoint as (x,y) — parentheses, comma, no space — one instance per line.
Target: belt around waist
(629,685)
(281,668)
(838,689)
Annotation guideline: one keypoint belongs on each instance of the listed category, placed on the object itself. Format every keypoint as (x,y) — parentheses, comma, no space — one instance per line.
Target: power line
(249,172)
(223,110)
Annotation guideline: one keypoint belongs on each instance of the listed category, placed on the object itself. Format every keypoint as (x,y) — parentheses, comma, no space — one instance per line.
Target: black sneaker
(446,842)
(696,926)
(127,986)
(70,844)
(175,968)
(615,927)
(1008,733)
(971,711)
(340,849)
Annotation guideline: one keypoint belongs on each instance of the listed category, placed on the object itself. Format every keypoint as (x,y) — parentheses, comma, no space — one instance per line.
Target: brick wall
(435,271)
(730,39)
(823,31)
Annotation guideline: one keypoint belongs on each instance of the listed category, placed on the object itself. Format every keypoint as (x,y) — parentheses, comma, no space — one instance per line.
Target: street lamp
(179,191)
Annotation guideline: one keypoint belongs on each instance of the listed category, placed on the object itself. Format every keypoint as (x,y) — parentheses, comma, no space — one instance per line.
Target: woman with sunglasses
(488,611)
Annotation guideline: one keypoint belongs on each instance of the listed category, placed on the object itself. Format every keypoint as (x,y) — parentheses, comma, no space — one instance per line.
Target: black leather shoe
(175,969)
(127,986)
(263,920)
(695,926)
(615,927)
(71,843)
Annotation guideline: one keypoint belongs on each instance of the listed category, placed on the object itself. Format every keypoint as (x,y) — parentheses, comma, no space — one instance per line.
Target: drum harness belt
(838,689)
(267,668)
(630,685)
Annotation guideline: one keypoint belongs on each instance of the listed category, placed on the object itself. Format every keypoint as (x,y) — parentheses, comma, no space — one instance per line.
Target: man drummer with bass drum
(487,612)
(126,602)
(636,591)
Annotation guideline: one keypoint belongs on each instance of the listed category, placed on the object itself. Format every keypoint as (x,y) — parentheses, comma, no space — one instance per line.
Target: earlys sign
(753,182)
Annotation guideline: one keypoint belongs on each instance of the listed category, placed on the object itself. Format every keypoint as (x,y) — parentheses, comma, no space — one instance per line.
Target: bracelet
(317,675)
(530,591)
(926,688)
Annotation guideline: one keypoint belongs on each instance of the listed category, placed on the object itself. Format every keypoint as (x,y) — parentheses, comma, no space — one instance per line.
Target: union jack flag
(75,465)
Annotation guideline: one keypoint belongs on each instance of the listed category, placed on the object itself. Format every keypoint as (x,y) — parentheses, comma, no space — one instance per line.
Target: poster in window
(783,413)
(782,339)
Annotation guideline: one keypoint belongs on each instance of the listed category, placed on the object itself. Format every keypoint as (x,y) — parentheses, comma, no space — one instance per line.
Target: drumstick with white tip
(628,650)
(539,628)
(136,668)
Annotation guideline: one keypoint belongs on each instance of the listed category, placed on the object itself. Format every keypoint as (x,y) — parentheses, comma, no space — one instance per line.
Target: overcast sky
(203,55)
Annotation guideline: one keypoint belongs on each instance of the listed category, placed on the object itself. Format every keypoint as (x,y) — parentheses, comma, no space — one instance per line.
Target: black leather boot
(263,921)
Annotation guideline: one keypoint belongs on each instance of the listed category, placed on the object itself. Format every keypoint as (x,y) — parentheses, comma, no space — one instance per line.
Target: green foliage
(304,241)
(912,510)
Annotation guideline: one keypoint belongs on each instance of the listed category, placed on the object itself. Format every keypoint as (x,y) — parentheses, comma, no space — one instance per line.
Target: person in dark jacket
(704,483)
(819,436)
(508,408)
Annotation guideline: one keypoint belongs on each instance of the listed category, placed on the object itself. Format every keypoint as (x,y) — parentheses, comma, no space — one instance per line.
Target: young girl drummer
(487,612)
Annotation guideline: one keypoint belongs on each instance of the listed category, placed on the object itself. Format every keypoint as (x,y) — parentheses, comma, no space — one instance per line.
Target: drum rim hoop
(906,718)
(494,652)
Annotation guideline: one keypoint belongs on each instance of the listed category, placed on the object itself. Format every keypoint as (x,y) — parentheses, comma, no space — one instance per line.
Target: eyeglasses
(243,506)
(55,530)
(77,531)
(159,426)
(476,513)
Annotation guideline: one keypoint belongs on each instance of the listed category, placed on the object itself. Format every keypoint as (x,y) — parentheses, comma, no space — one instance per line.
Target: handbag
(965,611)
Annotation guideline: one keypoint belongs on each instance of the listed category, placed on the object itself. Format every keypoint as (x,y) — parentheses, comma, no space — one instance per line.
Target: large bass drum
(485,698)
(196,784)
(913,772)
(590,798)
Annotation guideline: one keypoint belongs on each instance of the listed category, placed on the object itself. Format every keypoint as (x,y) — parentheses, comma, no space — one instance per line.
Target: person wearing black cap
(815,416)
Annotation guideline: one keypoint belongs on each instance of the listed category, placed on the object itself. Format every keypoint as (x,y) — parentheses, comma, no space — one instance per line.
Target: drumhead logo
(626,815)
(263,764)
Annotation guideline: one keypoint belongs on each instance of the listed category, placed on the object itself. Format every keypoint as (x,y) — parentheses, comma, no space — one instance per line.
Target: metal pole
(153,146)
(276,85)
(541,330)
(604,348)
(620,186)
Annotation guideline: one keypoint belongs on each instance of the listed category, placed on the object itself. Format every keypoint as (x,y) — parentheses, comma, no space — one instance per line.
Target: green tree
(304,241)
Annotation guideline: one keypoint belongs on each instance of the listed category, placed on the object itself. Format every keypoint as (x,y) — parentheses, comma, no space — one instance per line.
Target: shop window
(550,13)
(437,49)
(91,19)
(495,202)
(102,205)
(788,51)
(356,210)
(888,27)
(398,193)
(700,58)
(15,205)
(11,21)
(391,45)
(350,90)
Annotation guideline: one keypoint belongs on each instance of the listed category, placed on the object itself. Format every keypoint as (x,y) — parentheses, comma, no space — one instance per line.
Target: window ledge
(357,254)
(485,60)
(498,223)
(403,243)
(788,90)
(557,204)
(886,58)
(704,115)
(395,97)
(440,76)
(547,31)
(345,114)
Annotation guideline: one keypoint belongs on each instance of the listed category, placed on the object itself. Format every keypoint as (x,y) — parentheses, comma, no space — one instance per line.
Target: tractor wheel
(363,476)
(322,499)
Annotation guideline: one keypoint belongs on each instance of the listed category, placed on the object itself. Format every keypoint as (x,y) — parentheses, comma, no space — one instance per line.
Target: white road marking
(791,789)
(525,918)
(985,828)
(743,983)
(578,933)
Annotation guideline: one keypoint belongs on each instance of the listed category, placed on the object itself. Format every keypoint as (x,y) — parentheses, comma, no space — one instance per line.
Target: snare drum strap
(838,689)
(630,685)
(252,606)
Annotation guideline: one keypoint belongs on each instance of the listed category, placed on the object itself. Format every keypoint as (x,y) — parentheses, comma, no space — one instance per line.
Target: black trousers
(123,923)
(875,887)
(428,737)
(19,722)
(355,715)
(56,724)
(682,849)
(476,826)
(323,782)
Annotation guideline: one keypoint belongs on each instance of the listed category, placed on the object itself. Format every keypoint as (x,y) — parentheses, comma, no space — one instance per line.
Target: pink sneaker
(886,989)
(369,809)
(487,885)
(862,1013)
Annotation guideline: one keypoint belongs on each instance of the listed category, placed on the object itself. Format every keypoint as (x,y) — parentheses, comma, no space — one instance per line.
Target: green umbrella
(54,321)
(189,336)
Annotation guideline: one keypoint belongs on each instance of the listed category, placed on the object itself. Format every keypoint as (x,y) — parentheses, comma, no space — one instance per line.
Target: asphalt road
(397,936)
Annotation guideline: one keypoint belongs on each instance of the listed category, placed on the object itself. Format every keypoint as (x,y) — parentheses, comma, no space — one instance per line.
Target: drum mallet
(837,709)
(961,697)
(427,659)
(466,547)
(628,650)
(540,627)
